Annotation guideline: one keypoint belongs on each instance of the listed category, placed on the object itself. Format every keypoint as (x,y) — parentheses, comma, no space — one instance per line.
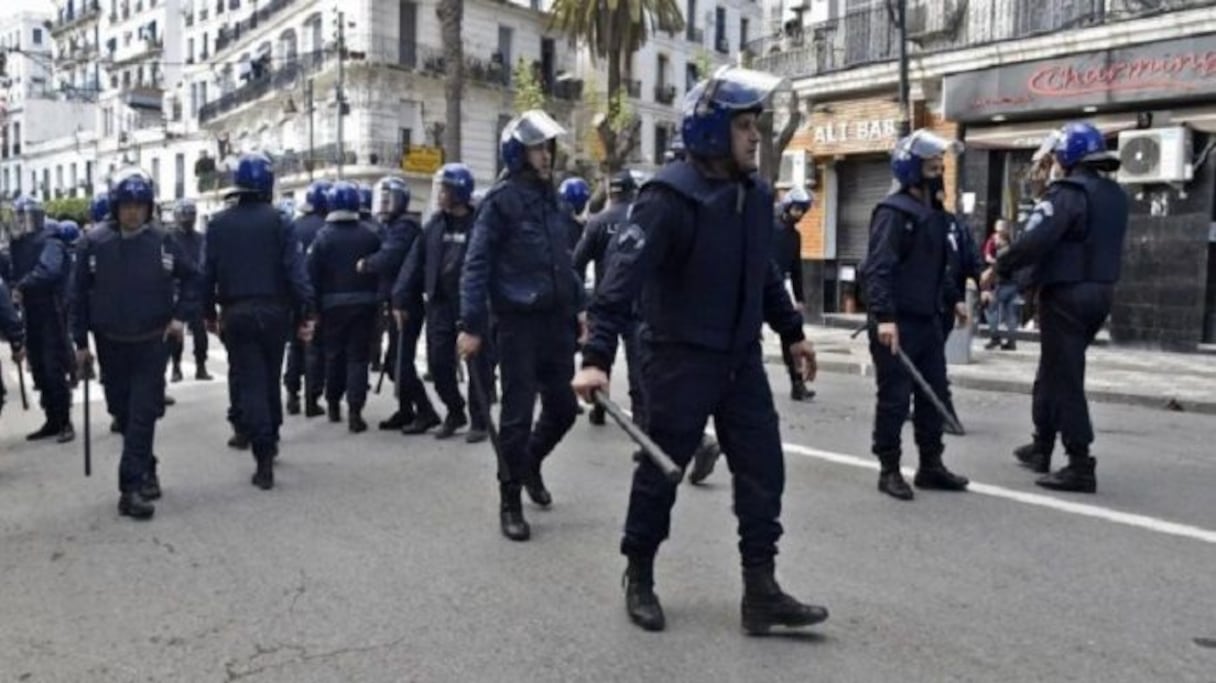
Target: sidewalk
(1154,379)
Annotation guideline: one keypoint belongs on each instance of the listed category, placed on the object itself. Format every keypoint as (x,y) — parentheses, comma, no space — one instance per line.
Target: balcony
(722,45)
(570,89)
(664,94)
(75,53)
(70,18)
(695,35)
(869,37)
(272,81)
(386,156)
(633,88)
(150,47)
(231,35)
(430,61)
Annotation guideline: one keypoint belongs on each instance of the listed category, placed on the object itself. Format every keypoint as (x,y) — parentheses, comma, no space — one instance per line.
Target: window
(88,175)
(46,184)
(189,50)
(742,33)
(661,76)
(74,178)
(179,176)
(660,141)
(58,178)
(107,121)
(720,42)
(503,120)
(691,76)
(17,177)
(691,17)
(156,177)
(194,99)
(37,36)
(16,138)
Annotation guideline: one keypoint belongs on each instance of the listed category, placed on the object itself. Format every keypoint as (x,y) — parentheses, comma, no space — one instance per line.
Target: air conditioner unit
(1156,155)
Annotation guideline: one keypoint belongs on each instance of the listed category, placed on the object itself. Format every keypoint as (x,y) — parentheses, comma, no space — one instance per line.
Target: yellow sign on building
(422,159)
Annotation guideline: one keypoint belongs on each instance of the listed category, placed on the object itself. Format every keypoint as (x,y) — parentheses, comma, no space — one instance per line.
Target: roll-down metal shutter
(861,184)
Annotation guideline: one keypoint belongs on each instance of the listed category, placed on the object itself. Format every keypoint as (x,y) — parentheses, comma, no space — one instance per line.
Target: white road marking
(1145,522)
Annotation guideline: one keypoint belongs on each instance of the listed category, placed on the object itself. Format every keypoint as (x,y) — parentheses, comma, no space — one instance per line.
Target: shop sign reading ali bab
(855,131)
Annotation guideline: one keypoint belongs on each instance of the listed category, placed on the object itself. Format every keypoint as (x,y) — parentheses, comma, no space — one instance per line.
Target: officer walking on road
(519,262)
(1073,240)
(306,361)
(433,268)
(787,253)
(185,215)
(903,273)
(414,414)
(40,267)
(133,288)
(347,300)
(253,271)
(698,249)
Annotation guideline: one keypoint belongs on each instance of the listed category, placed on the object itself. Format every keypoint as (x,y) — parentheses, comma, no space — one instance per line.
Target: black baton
(923,385)
(657,457)
(87,374)
(25,400)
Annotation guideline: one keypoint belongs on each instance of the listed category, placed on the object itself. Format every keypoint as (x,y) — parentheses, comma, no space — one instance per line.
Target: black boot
(200,372)
(239,441)
(135,506)
(535,485)
(46,431)
(765,605)
(151,487)
(511,514)
(170,401)
(454,421)
(177,373)
(1077,477)
(115,426)
(992,343)
(799,392)
(641,603)
(891,480)
(1035,456)
(703,460)
(312,408)
(334,409)
(1009,345)
(476,436)
(596,416)
(932,474)
(423,423)
(293,404)
(66,433)
(396,421)
(355,422)
(263,477)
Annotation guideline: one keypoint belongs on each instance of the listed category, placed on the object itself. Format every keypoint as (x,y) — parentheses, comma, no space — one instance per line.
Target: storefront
(1167,296)
(846,148)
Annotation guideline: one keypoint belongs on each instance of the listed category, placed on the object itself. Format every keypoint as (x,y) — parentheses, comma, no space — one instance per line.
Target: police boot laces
(932,474)
(1035,457)
(892,483)
(641,603)
(1077,477)
(511,514)
(765,605)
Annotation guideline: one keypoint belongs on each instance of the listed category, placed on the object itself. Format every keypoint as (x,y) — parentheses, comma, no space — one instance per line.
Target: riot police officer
(1073,243)
(185,216)
(787,253)
(903,274)
(518,261)
(253,272)
(347,301)
(11,329)
(133,288)
(575,193)
(307,360)
(414,414)
(698,249)
(40,267)
(433,268)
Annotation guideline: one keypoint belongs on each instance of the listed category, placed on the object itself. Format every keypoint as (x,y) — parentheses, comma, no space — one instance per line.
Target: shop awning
(1030,134)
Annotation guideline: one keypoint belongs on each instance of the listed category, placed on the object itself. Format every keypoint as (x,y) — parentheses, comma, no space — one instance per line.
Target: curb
(1167,403)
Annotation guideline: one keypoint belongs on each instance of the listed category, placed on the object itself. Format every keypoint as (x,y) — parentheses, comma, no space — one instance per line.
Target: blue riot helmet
(67,231)
(254,176)
(623,183)
(131,185)
(365,199)
(29,216)
(342,200)
(910,153)
(707,109)
(185,212)
(529,129)
(315,197)
(458,180)
(391,197)
(1080,142)
(99,209)
(796,198)
(575,192)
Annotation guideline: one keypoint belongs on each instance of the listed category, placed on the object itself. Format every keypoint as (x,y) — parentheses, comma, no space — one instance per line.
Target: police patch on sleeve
(1042,210)
(631,237)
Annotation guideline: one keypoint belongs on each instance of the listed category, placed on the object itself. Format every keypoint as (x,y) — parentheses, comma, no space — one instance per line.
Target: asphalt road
(378,558)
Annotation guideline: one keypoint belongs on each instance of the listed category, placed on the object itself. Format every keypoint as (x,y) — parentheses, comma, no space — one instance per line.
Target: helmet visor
(733,87)
(532,128)
(925,144)
(388,197)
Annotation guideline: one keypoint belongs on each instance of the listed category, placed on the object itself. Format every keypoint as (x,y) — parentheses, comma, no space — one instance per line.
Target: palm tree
(613,30)
(451,17)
